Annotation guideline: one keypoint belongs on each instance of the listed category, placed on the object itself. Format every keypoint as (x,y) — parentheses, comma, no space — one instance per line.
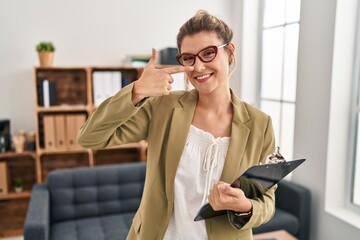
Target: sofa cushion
(110,227)
(282,220)
(99,191)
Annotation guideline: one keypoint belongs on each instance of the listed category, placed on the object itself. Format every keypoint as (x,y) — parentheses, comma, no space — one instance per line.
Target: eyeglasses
(205,55)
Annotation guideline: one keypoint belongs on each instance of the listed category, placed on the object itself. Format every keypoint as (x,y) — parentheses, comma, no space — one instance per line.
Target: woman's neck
(212,110)
(215,102)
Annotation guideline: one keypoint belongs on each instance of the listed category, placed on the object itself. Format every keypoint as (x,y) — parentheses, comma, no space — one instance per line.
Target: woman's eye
(188,58)
(208,53)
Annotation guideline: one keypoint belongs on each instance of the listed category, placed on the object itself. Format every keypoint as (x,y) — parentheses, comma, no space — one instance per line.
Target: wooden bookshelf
(74,92)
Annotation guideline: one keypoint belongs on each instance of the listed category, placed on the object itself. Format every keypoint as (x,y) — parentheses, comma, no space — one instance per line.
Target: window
(355,174)
(280,34)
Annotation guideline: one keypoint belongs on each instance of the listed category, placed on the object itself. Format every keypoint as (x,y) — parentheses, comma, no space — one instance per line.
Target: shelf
(123,67)
(64,108)
(61,151)
(63,68)
(15,154)
(15,195)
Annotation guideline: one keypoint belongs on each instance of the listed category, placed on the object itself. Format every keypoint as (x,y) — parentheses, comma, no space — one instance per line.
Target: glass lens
(187,59)
(208,54)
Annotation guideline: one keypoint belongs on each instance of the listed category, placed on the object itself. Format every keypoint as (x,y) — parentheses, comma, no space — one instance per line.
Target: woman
(199,141)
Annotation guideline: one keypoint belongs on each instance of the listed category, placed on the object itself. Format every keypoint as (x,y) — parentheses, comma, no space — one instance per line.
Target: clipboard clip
(275,157)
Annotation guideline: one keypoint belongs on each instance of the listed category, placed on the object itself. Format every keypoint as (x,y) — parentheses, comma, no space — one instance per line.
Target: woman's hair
(203,21)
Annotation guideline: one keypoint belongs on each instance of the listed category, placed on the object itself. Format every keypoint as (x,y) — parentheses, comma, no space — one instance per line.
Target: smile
(203,78)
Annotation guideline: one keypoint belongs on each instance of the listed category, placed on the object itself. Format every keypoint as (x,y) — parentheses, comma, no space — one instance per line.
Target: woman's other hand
(224,197)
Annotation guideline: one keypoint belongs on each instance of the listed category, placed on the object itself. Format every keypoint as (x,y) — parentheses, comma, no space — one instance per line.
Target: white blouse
(200,167)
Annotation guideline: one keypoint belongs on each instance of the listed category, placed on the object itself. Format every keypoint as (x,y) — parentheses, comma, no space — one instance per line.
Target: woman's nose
(199,66)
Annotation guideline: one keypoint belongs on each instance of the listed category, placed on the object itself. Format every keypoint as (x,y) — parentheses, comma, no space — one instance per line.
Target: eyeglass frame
(216,48)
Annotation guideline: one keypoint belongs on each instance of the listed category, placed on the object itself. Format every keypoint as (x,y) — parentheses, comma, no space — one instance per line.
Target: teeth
(203,77)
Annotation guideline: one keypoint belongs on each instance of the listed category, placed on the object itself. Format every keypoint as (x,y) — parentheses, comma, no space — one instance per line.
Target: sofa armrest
(37,223)
(296,200)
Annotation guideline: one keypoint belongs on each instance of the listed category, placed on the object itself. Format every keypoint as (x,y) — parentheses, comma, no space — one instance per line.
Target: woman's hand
(153,81)
(224,197)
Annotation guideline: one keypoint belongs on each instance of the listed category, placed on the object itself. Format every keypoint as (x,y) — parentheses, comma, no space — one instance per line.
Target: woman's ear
(231,52)
(232,47)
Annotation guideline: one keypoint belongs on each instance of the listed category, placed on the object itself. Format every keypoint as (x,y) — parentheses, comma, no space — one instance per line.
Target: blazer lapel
(180,125)
(239,137)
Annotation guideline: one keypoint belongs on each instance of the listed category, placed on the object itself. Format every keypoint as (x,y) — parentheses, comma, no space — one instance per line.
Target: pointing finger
(153,58)
(178,69)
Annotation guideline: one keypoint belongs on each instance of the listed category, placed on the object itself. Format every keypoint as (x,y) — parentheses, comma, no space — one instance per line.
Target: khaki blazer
(164,122)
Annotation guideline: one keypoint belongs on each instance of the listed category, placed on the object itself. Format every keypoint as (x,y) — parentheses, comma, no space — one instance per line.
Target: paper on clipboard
(266,174)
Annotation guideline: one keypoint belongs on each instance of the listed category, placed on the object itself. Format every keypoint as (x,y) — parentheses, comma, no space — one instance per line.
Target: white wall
(85,32)
(312,114)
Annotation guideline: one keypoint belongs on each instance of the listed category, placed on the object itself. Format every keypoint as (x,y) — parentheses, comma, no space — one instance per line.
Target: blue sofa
(99,204)
(293,209)
(85,203)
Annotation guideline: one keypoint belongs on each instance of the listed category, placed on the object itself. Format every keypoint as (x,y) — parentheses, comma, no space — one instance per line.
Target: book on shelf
(116,81)
(106,84)
(40,93)
(98,88)
(60,134)
(73,123)
(48,96)
(49,132)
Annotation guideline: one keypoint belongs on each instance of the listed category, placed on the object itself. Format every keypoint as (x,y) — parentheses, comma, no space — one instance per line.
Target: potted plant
(46,53)
(18,184)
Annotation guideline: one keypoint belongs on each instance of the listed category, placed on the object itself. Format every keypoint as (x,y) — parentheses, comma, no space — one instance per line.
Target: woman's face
(208,77)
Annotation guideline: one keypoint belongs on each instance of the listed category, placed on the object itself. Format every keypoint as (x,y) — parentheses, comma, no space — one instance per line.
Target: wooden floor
(275,235)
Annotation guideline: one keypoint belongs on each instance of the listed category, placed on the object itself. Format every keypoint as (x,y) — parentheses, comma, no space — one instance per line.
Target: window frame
(355,122)
(340,152)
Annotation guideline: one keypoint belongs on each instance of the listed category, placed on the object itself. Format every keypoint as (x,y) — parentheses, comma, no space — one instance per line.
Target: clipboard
(266,174)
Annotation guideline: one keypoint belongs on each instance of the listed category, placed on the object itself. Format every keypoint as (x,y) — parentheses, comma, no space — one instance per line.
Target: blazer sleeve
(117,121)
(263,202)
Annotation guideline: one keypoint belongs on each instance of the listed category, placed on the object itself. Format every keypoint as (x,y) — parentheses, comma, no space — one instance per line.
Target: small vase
(18,189)
(46,59)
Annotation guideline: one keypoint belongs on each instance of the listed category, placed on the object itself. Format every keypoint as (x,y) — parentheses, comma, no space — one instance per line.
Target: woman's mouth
(203,78)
